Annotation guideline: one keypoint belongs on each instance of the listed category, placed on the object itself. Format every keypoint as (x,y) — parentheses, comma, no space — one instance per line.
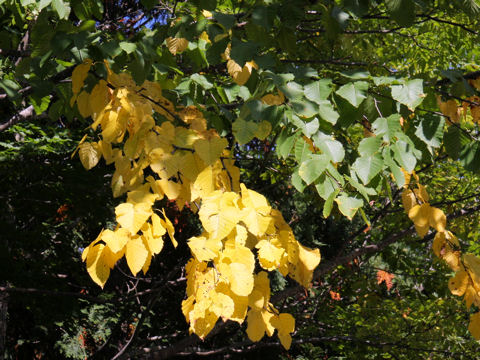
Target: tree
(238,138)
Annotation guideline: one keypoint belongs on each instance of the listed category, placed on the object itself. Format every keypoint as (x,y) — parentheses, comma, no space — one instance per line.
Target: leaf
(354,92)
(176,45)
(211,149)
(327,112)
(474,325)
(370,145)
(285,143)
(90,154)
(458,284)
(367,167)
(240,74)
(387,127)
(244,131)
(132,217)
(327,207)
(329,146)
(128,47)
(411,94)
(318,91)
(430,131)
(313,167)
(136,254)
(62,9)
(402,11)
(403,153)
(348,205)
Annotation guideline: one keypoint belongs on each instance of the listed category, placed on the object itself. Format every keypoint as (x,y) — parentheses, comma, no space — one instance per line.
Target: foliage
(237,138)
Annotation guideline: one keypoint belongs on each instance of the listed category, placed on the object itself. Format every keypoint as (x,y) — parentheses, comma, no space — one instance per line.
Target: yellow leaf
(458,284)
(271,99)
(211,149)
(170,188)
(472,263)
(240,75)
(263,130)
(142,195)
(474,326)
(153,242)
(452,258)
(90,154)
(97,268)
(116,240)
(449,108)
(176,45)
(308,260)
(269,255)
(219,213)
(99,97)
(408,200)
(79,75)
(444,240)
(132,217)
(420,215)
(421,193)
(285,324)
(222,305)
(241,280)
(203,325)
(204,249)
(83,104)
(136,254)
(256,325)
(470,296)
(157,228)
(437,219)
(167,224)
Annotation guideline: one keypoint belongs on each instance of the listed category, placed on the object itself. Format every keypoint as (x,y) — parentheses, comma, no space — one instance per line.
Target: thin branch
(25,114)
(5,289)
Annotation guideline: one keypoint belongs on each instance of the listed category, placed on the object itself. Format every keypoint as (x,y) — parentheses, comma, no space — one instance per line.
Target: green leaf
(430,130)
(469,157)
(364,191)
(367,167)
(10,87)
(297,182)
(387,127)
(327,207)
(318,91)
(62,9)
(327,112)
(329,146)
(370,145)
(455,140)
(128,47)
(202,81)
(244,131)
(311,169)
(410,94)
(402,11)
(302,150)
(348,205)
(285,143)
(305,108)
(354,92)
(292,90)
(394,168)
(325,186)
(404,155)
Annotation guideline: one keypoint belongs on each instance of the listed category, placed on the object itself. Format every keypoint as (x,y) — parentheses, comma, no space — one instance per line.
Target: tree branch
(25,114)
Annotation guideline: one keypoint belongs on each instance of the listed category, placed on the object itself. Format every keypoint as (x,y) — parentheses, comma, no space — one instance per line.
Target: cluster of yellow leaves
(446,246)
(469,106)
(193,166)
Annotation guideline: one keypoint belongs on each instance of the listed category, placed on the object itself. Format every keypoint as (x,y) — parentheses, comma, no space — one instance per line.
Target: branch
(25,114)
(62,75)
(5,289)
